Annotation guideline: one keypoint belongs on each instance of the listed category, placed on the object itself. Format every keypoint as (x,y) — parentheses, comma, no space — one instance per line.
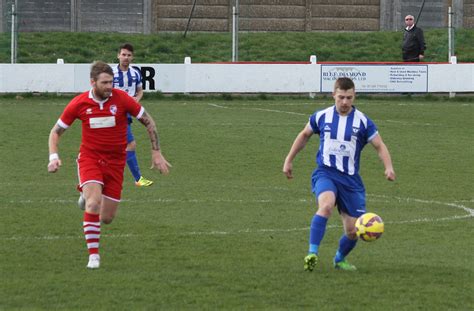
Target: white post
(450,30)
(235,32)
(13,36)
(452,59)
(313,61)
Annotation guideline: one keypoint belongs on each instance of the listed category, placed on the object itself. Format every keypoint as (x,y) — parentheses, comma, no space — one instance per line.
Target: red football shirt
(104,123)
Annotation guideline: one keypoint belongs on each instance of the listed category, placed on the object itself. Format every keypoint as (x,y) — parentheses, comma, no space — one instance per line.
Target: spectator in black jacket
(413,41)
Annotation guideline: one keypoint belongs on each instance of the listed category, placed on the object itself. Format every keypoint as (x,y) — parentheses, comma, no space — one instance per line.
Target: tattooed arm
(158,160)
(150,125)
(54,135)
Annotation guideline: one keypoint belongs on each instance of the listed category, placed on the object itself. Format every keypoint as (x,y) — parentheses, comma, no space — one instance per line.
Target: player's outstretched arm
(298,145)
(384,155)
(54,160)
(158,160)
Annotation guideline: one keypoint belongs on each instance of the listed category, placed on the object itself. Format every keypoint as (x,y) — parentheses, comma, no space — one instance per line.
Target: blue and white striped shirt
(127,81)
(342,138)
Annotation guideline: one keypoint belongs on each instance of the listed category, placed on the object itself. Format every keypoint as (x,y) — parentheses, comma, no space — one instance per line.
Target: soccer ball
(369,227)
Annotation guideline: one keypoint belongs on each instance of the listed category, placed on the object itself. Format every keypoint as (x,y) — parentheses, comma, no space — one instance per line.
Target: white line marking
(470,213)
(218,106)
(262,109)
(405,122)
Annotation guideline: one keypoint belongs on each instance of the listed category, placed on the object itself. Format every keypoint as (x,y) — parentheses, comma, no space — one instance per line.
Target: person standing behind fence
(413,48)
(129,79)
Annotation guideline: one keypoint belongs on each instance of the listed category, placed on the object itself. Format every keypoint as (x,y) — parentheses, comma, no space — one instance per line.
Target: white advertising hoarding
(250,78)
(377,78)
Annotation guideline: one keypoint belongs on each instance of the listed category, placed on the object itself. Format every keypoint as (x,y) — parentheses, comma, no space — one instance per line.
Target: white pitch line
(470,214)
(406,123)
(261,109)
(218,106)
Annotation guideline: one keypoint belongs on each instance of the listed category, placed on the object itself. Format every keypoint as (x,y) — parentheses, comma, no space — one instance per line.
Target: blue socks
(345,247)
(316,233)
(133,165)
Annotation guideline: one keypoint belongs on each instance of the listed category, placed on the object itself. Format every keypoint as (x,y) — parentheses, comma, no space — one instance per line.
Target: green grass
(382,46)
(226,230)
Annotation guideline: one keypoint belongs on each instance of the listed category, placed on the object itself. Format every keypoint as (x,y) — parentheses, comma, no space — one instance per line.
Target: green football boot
(310,262)
(344,265)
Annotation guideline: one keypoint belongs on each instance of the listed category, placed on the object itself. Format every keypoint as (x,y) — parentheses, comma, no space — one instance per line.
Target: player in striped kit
(103,112)
(129,79)
(343,132)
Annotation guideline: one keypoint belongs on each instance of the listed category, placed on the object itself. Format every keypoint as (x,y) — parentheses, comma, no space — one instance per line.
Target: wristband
(53,156)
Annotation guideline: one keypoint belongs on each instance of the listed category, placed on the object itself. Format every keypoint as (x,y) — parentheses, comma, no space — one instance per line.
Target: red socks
(91,227)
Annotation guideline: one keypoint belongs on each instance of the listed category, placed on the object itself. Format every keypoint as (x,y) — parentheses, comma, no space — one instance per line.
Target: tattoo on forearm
(59,130)
(155,140)
(151,128)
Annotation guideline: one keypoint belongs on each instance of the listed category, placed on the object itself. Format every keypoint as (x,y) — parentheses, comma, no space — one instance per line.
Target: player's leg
(326,201)
(326,192)
(92,193)
(351,205)
(111,195)
(346,243)
(108,210)
(132,161)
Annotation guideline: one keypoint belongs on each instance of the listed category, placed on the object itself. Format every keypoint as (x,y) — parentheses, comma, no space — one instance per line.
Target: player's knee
(107,219)
(325,210)
(92,206)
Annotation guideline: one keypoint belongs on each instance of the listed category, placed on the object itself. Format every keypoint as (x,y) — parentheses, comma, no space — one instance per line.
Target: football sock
(316,233)
(133,165)
(91,226)
(345,247)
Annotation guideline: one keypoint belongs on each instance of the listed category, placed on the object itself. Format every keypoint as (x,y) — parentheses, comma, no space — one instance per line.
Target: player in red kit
(102,156)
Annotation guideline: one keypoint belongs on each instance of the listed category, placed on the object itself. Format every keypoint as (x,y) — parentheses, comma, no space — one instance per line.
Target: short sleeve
(372,130)
(313,123)
(139,79)
(69,114)
(139,76)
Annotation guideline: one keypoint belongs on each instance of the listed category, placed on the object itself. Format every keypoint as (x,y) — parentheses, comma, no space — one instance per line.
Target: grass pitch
(226,230)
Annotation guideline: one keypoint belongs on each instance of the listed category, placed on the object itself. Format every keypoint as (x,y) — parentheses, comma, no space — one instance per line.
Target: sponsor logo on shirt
(104,122)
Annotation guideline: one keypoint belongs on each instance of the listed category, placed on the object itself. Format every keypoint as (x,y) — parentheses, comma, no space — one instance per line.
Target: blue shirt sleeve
(371,130)
(313,123)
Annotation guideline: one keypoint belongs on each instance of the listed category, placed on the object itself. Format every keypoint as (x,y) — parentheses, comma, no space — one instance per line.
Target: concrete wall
(468,21)
(151,16)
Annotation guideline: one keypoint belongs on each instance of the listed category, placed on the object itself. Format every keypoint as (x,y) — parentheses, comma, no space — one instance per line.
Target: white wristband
(53,156)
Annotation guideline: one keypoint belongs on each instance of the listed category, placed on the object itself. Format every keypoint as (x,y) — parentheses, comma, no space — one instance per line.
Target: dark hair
(344,84)
(99,67)
(126,46)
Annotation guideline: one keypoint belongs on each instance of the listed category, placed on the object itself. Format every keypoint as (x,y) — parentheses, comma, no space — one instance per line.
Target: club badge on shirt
(113,109)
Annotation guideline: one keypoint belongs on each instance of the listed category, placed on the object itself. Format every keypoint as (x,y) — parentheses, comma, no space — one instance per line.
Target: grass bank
(384,46)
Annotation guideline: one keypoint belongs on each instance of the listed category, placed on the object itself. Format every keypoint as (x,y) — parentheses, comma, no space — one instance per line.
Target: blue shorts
(130,137)
(348,190)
